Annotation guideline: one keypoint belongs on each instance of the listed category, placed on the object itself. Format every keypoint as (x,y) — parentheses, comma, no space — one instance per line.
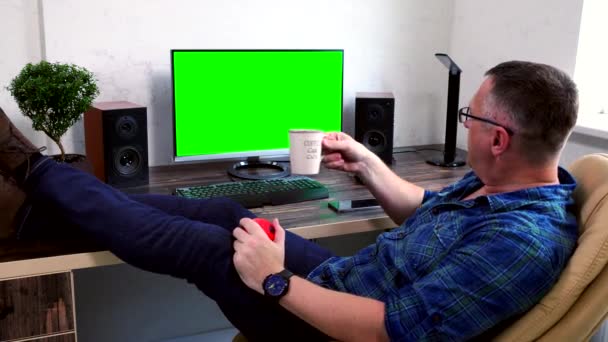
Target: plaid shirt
(456,268)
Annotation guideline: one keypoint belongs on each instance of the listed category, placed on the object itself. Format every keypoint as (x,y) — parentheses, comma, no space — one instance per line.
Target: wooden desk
(311,219)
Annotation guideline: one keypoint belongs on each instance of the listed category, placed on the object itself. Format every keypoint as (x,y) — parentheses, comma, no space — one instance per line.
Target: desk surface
(312,219)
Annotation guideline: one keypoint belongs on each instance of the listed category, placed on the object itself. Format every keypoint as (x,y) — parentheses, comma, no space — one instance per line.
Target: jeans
(184,238)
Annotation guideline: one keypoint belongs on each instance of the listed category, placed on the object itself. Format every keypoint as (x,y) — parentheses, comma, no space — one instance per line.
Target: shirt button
(436,318)
(435,211)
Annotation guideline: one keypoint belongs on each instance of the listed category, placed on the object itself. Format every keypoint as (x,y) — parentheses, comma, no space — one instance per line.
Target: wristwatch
(276,285)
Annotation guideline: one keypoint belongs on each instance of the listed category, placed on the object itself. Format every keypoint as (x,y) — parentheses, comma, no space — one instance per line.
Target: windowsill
(595,125)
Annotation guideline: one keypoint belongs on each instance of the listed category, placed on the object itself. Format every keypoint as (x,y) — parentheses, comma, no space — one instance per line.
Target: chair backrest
(576,306)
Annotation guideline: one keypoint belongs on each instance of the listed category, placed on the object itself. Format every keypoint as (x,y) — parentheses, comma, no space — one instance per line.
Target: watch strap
(285,274)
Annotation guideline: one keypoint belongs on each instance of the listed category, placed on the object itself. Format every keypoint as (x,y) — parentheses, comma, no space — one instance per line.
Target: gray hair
(542,102)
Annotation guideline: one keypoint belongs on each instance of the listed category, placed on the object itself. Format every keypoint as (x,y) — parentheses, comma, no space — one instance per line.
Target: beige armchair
(578,303)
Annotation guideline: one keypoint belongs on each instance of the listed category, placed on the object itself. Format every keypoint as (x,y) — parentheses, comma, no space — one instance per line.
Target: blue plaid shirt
(456,268)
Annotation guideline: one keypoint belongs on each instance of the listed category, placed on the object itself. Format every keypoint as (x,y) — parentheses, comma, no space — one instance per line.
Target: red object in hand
(266,226)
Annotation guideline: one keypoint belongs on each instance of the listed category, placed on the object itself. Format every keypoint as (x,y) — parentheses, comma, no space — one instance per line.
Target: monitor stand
(255,169)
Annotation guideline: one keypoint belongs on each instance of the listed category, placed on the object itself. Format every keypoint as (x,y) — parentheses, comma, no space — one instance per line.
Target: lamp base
(455,163)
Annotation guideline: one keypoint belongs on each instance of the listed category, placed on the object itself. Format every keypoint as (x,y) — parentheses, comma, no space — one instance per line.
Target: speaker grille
(117,142)
(127,159)
(374,121)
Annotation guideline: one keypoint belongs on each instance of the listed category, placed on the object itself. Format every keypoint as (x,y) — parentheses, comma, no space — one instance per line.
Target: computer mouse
(266,226)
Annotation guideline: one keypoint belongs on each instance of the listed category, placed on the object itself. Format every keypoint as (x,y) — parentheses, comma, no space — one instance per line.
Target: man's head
(537,102)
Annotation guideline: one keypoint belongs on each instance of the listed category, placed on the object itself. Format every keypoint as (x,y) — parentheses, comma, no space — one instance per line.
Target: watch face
(275,285)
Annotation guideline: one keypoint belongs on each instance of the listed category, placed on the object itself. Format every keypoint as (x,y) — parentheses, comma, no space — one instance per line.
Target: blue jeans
(184,238)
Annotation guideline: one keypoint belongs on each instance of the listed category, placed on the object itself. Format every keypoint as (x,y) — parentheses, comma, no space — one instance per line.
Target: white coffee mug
(305,151)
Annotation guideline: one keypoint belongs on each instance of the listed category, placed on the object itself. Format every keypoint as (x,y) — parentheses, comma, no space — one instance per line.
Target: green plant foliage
(54,96)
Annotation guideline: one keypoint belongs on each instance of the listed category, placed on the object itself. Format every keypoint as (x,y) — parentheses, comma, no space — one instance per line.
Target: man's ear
(501,141)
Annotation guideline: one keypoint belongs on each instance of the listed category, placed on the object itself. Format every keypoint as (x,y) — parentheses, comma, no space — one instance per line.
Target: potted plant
(54,96)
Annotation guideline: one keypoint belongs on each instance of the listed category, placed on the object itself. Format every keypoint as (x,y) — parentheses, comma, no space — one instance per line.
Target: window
(591,71)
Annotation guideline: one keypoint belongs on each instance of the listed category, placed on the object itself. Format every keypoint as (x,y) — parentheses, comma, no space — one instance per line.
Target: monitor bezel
(262,155)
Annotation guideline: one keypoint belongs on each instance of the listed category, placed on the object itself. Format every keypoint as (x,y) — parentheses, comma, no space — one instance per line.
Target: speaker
(116,139)
(374,122)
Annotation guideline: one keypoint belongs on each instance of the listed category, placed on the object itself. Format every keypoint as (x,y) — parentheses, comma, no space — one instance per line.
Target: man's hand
(255,255)
(397,197)
(341,152)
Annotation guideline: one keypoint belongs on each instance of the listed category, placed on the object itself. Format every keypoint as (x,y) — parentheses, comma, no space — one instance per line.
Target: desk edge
(63,263)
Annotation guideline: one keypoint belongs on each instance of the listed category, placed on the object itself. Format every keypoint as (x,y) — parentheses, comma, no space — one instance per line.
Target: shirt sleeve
(486,279)
(428,195)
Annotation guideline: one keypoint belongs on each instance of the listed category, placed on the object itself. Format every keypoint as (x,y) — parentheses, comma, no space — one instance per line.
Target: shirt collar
(514,199)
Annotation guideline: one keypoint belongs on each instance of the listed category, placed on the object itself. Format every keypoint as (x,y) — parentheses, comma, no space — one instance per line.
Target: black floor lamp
(451,122)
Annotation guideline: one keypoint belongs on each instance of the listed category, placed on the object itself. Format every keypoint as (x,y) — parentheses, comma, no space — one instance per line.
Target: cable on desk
(419,150)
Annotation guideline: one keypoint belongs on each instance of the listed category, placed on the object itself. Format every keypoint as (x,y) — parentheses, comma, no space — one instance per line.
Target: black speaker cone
(375,141)
(126,127)
(128,161)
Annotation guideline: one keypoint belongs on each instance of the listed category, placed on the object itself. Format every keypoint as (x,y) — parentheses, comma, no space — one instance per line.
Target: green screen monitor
(238,104)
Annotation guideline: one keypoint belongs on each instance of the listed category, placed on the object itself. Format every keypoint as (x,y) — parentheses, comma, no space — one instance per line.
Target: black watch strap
(286,274)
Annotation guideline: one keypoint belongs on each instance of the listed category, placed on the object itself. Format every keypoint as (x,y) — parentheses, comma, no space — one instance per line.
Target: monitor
(239,104)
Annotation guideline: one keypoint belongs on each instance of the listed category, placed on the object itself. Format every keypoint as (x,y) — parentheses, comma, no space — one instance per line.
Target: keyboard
(257,193)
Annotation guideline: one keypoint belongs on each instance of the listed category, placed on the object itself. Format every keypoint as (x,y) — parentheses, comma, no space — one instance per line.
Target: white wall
(485,33)
(389,46)
(20,44)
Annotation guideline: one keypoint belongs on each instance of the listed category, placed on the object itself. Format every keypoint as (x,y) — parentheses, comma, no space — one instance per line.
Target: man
(483,250)
(11,198)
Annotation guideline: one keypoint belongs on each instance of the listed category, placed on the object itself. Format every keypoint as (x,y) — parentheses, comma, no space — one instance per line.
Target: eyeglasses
(464,114)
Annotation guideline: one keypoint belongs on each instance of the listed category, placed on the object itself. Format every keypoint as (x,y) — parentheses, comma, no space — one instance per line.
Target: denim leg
(301,256)
(45,221)
(141,235)
(42,220)
(165,234)
(222,212)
